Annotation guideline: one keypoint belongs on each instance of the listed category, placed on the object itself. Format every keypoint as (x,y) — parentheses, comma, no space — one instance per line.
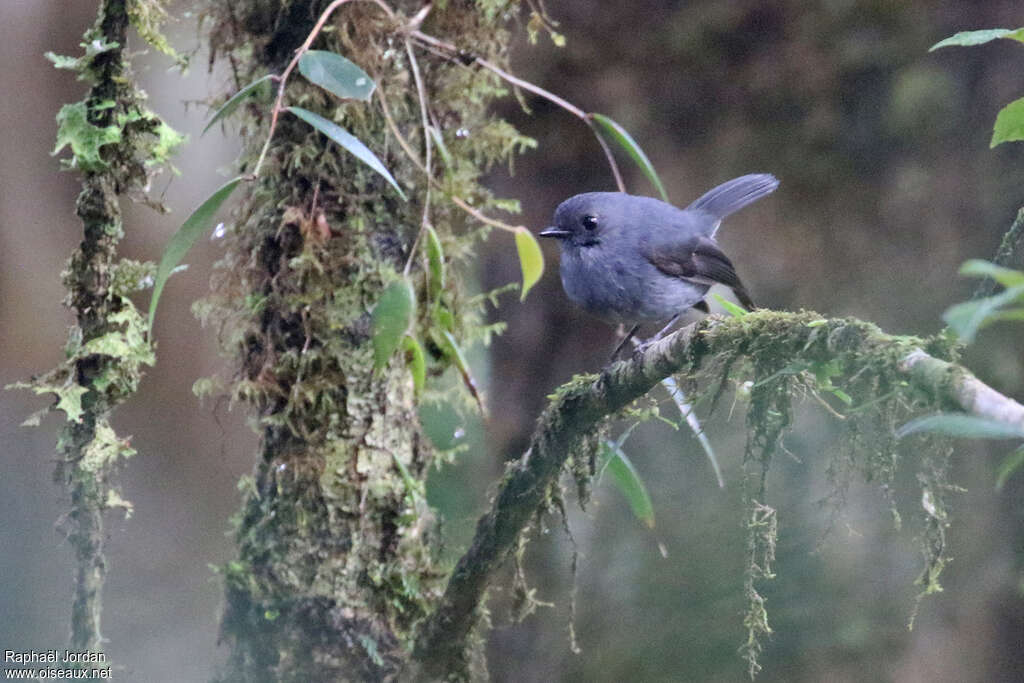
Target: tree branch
(581,405)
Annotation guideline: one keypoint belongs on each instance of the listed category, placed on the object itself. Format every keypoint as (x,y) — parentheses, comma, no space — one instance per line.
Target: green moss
(337,513)
(147,16)
(850,368)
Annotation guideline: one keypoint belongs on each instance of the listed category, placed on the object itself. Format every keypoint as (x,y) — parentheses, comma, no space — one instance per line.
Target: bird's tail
(731,196)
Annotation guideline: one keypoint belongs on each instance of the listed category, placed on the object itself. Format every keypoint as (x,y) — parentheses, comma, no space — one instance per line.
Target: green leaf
(446,156)
(841,395)
(1009,314)
(453,351)
(444,318)
(435,265)
(348,141)
(231,105)
(417,363)
(1007,277)
(182,241)
(968,38)
(412,486)
(617,134)
(687,412)
(531,259)
(391,318)
(336,75)
(1013,462)
(628,481)
(967,318)
(735,310)
(1009,124)
(962,426)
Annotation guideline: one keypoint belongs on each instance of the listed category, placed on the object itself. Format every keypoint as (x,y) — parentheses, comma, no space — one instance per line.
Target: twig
(464,57)
(468,58)
(461,203)
(421,93)
(689,414)
(1009,255)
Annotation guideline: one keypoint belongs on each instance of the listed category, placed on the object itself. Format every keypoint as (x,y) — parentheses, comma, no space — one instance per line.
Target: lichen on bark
(116,145)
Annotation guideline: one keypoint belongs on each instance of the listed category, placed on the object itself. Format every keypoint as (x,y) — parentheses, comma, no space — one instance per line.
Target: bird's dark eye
(589,222)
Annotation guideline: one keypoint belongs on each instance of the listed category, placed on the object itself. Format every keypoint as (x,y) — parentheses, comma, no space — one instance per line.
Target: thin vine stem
(461,203)
(455,54)
(421,93)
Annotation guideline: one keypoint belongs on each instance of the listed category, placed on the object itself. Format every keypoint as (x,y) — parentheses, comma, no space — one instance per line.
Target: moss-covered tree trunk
(334,567)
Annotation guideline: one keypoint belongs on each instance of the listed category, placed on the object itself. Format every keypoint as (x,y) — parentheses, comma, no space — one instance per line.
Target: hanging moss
(776,359)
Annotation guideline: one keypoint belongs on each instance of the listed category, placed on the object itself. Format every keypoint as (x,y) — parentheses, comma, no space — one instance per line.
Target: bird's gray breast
(622,285)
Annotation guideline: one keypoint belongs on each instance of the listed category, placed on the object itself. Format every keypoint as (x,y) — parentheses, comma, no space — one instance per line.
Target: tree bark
(334,566)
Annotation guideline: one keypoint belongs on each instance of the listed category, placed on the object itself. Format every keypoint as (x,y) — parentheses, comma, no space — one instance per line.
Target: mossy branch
(116,144)
(1010,254)
(580,406)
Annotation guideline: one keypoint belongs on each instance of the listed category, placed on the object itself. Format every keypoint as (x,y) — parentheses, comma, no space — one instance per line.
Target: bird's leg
(663,330)
(622,343)
(700,306)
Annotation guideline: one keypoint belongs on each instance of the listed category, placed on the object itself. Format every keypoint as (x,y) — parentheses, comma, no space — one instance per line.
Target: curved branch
(579,406)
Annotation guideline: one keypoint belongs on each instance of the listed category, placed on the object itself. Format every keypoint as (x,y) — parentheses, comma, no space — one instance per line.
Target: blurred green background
(888,184)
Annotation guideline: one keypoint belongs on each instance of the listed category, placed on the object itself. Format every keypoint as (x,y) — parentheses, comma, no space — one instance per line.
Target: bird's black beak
(557,233)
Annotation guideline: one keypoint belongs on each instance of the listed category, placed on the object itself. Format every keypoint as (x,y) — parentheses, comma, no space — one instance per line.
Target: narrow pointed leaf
(1007,277)
(531,259)
(967,318)
(442,149)
(455,354)
(336,75)
(417,363)
(199,222)
(841,395)
(617,134)
(687,412)
(1005,315)
(629,482)
(962,426)
(735,310)
(348,141)
(231,105)
(391,318)
(444,318)
(968,38)
(1009,124)
(435,265)
(413,487)
(1013,462)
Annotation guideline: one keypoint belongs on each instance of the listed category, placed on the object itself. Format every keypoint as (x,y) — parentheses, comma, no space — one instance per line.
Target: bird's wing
(699,260)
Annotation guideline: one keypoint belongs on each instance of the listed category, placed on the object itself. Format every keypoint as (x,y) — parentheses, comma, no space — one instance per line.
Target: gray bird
(635,260)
